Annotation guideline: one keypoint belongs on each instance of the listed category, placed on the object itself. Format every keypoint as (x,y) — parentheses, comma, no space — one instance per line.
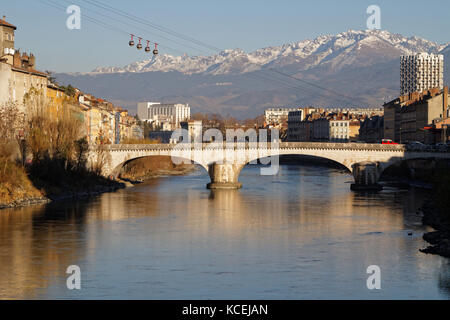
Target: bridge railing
(253,145)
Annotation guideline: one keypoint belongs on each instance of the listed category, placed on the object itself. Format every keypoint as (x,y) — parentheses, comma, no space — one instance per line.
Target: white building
(339,130)
(155,111)
(332,130)
(421,72)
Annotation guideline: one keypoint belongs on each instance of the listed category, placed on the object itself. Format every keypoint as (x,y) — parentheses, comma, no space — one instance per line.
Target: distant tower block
(420,72)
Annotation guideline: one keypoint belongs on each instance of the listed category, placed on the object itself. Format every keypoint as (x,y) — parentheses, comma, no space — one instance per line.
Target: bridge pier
(366,176)
(224,175)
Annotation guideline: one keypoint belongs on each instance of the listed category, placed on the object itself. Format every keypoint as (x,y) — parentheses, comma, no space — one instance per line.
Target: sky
(244,24)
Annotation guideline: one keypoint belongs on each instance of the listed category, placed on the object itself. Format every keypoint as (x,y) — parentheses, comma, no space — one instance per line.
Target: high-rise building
(420,72)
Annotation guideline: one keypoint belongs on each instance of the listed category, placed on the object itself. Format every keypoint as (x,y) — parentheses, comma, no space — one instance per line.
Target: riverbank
(25,187)
(152,167)
(436,214)
(29,194)
(433,175)
(438,220)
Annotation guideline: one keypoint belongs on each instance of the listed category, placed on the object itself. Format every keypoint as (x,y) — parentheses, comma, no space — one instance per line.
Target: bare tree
(52,130)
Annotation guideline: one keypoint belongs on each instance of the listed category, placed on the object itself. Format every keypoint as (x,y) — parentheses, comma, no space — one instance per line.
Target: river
(301,234)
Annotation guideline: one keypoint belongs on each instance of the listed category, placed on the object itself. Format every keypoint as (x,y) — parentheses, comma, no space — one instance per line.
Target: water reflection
(36,245)
(300,234)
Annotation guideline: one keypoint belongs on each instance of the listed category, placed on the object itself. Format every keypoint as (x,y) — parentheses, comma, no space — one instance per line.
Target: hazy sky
(245,24)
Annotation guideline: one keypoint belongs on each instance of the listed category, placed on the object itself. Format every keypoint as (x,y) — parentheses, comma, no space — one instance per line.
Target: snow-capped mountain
(334,52)
(363,65)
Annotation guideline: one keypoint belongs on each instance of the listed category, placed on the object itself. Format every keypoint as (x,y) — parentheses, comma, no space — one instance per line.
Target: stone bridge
(224,161)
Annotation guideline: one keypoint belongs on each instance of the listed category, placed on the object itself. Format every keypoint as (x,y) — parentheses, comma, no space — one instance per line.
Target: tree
(70,91)
(138,120)
(82,148)
(51,78)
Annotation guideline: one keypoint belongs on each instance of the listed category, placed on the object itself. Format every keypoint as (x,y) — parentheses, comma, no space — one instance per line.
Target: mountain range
(353,68)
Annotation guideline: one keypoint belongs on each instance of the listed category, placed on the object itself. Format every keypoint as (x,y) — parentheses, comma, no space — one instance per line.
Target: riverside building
(17,71)
(411,117)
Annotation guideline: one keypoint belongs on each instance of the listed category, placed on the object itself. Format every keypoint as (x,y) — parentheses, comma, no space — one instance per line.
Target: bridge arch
(115,172)
(335,160)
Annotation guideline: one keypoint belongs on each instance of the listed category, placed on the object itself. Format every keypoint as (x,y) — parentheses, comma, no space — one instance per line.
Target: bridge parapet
(257,145)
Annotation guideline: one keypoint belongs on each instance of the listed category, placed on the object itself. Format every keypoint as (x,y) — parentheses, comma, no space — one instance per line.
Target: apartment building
(410,117)
(339,130)
(323,127)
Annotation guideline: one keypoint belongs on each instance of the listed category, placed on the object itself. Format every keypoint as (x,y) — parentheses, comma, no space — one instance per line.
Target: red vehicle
(388,141)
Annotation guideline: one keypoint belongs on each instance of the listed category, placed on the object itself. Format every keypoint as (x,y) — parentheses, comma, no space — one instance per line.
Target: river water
(301,234)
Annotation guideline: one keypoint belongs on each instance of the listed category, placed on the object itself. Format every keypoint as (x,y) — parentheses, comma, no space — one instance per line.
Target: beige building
(101,121)
(354,127)
(18,74)
(409,117)
(321,128)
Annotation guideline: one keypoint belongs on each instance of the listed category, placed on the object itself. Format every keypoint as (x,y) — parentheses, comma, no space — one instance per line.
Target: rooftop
(6,24)
(416,97)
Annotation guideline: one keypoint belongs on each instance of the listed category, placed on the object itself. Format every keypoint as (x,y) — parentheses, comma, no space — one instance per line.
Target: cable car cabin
(387,141)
